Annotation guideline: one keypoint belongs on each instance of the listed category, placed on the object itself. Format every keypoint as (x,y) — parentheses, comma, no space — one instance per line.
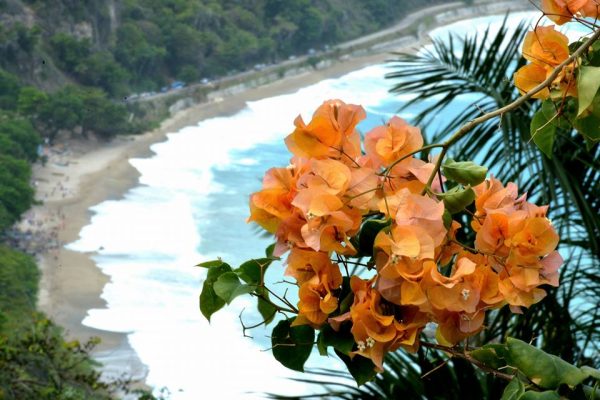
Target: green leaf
(545,370)
(292,344)
(217,270)
(252,271)
(588,83)
(342,341)
(543,132)
(209,264)
(362,369)
(591,393)
(228,287)
(514,390)
(209,301)
(500,349)
(464,172)
(265,308)
(321,345)
(489,357)
(457,199)
(269,250)
(547,395)
(589,127)
(447,218)
(594,373)
(595,107)
(347,296)
(368,232)
(550,112)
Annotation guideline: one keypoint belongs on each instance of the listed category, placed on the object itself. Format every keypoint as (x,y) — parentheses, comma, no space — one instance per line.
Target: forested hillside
(134,45)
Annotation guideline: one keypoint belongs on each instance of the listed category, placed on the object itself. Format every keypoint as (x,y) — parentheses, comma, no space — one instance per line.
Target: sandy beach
(82,173)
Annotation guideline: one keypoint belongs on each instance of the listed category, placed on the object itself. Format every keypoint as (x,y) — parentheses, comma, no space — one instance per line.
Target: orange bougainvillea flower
(329,222)
(331,130)
(315,208)
(415,210)
(562,11)
(316,300)
(451,246)
(364,184)
(491,195)
(289,234)
(518,297)
(399,279)
(531,75)
(272,204)
(591,9)
(386,144)
(327,175)
(472,286)
(405,241)
(546,47)
(303,264)
(492,235)
(530,238)
(454,327)
(374,327)
(528,77)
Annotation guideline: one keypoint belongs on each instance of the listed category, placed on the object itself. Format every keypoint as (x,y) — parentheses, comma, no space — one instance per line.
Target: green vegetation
(141,45)
(18,288)
(16,195)
(35,361)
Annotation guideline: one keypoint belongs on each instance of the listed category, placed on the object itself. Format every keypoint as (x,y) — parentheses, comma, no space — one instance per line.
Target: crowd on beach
(39,230)
(38,233)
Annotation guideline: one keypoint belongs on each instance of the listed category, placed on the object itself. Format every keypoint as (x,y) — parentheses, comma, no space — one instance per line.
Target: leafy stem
(463,353)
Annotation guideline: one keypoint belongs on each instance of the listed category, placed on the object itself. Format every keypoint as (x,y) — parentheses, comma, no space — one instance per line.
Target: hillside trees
(16,196)
(149,43)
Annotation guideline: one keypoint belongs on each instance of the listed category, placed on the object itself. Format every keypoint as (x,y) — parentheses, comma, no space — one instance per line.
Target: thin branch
(461,353)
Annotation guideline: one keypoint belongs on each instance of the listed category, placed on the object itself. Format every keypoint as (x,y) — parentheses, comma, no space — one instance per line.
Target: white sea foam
(148,242)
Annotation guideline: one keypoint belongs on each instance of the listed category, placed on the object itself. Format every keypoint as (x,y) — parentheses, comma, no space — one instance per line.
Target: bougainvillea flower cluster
(416,270)
(546,48)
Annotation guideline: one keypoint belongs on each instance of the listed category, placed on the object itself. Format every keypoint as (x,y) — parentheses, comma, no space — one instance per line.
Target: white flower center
(465,293)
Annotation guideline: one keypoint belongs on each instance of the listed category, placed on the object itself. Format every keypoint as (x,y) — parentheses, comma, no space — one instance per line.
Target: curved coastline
(84,174)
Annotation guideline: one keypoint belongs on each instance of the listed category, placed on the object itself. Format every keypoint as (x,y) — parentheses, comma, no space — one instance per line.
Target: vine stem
(463,354)
(466,128)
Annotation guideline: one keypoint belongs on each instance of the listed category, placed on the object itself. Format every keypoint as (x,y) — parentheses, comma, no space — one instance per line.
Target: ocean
(190,206)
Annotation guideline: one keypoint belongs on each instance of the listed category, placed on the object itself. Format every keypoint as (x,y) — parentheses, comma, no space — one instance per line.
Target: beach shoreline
(83,174)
